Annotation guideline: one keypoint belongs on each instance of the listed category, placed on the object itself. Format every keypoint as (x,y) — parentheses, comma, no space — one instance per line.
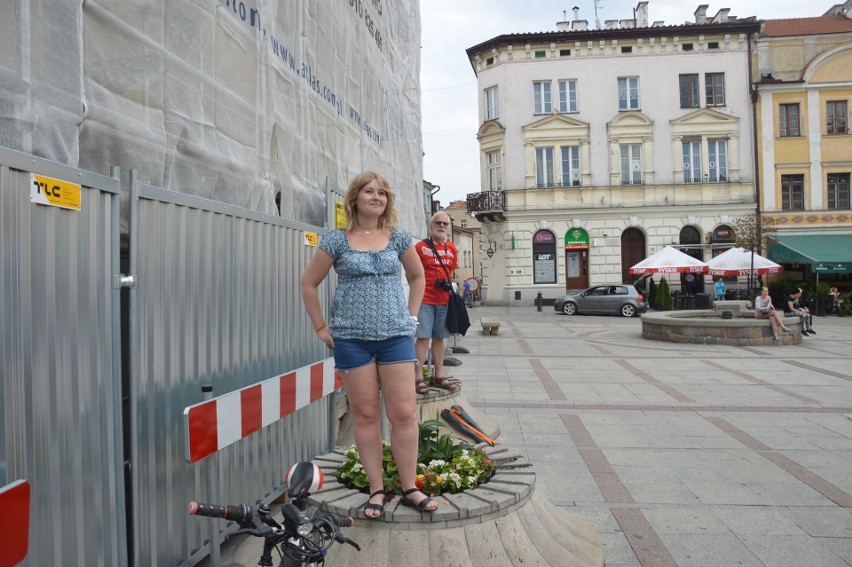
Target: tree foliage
(664,296)
(754,231)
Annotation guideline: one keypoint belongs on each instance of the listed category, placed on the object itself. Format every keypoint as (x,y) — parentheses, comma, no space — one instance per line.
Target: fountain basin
(706,326)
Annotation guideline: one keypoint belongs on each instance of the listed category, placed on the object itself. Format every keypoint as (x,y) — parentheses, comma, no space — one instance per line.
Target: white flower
(435,463)
(455,479)
(357,467)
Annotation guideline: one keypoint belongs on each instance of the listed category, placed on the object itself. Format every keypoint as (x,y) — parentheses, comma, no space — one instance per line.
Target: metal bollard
(538,300)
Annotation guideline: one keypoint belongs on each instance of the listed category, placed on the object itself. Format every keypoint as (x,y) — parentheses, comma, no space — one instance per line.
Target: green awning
(826,253)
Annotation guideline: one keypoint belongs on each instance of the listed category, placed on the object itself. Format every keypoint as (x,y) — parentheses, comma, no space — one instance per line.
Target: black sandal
(444,383)
(422,505)
(420,386)
(380,508)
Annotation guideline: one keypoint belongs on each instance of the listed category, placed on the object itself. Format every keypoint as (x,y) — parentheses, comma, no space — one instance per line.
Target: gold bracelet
(320,328)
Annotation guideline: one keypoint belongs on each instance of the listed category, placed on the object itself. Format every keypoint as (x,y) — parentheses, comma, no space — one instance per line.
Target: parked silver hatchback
(605,299)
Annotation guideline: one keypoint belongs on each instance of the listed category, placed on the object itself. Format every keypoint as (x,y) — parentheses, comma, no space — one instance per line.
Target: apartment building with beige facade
(599,146)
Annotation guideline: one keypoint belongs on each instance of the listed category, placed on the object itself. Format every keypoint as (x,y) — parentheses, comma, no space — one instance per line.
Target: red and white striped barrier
(14,522)
(216,423)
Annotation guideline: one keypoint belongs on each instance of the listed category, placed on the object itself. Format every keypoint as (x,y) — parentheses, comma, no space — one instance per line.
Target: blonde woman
(763,309)
(370,328)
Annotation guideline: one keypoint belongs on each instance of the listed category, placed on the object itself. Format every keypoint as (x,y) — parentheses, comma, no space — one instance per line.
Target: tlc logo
(54,192)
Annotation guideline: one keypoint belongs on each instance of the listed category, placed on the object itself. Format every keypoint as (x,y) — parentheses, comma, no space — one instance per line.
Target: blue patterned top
(370,302)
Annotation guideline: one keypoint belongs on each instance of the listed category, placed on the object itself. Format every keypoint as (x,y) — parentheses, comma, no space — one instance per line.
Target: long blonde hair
(389,218)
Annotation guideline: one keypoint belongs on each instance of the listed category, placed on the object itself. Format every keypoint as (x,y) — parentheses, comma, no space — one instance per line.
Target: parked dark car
(604,299)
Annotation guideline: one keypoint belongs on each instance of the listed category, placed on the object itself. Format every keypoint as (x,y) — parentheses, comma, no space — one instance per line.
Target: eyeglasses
(441,223)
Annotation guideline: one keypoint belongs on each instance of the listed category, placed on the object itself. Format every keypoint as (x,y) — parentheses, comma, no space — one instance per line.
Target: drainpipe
(755,148)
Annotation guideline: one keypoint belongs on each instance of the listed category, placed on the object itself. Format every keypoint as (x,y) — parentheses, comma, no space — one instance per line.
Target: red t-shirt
(434,271)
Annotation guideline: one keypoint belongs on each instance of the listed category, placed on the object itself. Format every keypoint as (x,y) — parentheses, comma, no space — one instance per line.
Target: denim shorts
(355,353)
(432,322)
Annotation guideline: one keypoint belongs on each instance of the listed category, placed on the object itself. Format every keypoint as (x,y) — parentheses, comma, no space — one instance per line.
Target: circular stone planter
(707,327)
(502,522)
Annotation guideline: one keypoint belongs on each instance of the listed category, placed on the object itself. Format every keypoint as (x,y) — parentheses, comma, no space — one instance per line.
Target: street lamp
(491,246)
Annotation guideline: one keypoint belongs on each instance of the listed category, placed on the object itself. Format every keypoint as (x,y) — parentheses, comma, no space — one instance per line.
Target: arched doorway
(632,252)
(576,259)
(690,244)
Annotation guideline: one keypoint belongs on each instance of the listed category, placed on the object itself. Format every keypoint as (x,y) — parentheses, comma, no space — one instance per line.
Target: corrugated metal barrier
(59,350)
(213,298)
(217,301)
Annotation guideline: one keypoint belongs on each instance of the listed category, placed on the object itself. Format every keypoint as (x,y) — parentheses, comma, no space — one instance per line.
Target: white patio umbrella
(669,261)
(738,262)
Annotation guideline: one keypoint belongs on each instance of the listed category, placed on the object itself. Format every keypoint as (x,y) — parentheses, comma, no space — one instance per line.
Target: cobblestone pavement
(689,455)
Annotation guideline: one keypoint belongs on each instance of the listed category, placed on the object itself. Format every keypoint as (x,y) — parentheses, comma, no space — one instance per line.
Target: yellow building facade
(802,80)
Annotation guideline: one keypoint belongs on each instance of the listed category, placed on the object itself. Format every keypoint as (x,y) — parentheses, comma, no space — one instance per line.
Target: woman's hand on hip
(326,338)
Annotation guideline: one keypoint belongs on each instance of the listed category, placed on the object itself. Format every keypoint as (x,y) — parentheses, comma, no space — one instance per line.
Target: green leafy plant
(664,297)
(443,465)
(428,374)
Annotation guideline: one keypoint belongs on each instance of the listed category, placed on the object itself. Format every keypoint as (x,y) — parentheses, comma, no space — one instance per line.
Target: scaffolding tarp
(247,102)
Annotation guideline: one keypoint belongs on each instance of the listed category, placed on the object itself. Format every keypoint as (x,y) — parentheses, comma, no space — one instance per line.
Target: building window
(835,116)
(689,91)
(713,45)
(489,61)
(564,52)
(717,151)
(494,174)
(631,164)
(570,166)
(714,86)
(627,49)
(687,47)
(463,223)
(568,95)
(792,192)
(628,93)
(541,97)
(492,104)
(544,167)
(789,120)
(838,191)
(692,161)
(540,54)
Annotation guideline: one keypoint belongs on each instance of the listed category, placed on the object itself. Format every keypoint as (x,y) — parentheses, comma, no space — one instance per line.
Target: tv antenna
(597,20)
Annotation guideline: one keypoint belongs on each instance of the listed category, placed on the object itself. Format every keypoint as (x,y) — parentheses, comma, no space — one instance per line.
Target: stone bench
(739,306)
(490,326)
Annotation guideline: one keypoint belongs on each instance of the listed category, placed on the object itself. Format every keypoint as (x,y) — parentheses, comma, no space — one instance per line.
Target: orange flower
(418,481)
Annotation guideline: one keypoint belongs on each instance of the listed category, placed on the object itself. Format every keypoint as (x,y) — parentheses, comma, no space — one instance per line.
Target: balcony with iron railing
(487,205)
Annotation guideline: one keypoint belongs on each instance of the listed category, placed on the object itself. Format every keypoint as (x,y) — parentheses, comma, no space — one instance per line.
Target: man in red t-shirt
(432,317)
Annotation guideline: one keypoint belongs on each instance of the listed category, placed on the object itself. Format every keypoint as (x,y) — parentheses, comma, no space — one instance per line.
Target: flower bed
(443,465)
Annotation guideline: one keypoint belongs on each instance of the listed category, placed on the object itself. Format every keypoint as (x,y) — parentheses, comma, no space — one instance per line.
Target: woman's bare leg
(362,390)
(400,403)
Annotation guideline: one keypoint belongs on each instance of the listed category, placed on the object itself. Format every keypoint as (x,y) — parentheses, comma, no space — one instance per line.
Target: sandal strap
(376,493)
(410,491)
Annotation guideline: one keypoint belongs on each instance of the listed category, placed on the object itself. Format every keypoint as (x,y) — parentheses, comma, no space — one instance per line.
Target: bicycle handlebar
(240,514)
(257,521)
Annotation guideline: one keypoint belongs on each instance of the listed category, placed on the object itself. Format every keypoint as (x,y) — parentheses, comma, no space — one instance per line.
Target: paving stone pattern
(675,454)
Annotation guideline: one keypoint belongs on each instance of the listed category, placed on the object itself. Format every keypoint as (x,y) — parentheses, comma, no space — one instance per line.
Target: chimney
(579,25)
(564,25)
(721,16)
(611,24)
(576,10)
(640,14)
(701,14)
(627,24)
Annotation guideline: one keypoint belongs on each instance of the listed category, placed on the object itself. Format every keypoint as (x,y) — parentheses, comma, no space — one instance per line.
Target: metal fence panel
(60,387)
(217,301)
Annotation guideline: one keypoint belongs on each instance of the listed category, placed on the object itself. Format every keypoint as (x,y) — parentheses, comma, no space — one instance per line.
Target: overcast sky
(450,111)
